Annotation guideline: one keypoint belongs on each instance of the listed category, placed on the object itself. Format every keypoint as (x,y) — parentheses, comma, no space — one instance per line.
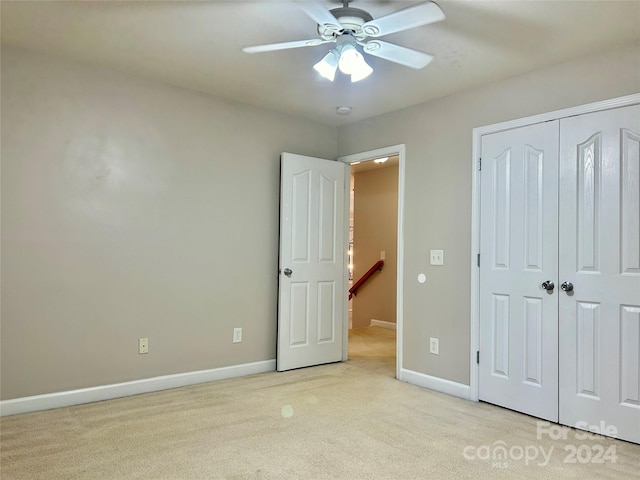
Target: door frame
(369,155)
(475,207)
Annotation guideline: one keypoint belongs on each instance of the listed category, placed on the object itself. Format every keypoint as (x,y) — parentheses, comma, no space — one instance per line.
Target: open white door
(312,280)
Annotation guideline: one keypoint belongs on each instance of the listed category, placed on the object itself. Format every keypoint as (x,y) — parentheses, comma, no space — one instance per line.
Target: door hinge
(478,260)
(478,357)
(480,164)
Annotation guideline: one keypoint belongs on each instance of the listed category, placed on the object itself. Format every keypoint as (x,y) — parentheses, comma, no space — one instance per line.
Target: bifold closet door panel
(599,267)
(518,254)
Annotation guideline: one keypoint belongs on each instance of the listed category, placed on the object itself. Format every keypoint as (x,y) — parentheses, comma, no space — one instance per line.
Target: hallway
(373,348)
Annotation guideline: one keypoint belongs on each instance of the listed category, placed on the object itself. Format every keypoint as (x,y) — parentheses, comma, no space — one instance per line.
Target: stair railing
(376,266)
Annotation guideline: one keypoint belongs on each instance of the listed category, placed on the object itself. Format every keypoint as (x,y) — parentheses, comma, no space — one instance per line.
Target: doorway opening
(375,252)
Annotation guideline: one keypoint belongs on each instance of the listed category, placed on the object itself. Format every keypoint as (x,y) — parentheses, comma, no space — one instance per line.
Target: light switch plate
(436,257)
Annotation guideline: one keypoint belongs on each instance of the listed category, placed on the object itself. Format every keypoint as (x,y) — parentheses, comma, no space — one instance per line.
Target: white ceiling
(197,45)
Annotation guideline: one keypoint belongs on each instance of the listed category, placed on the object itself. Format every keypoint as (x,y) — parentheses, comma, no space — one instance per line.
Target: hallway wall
(375,230)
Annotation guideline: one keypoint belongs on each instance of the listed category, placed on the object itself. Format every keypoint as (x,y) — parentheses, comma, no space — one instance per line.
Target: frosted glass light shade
(348,59)
(352,63)
(362,71)
(328,65)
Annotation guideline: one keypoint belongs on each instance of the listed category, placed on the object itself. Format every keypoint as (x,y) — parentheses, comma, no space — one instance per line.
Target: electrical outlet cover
(433,346)
(237,335)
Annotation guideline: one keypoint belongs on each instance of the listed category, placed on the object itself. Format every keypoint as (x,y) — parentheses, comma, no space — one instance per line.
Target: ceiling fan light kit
(345,57)
(351,28)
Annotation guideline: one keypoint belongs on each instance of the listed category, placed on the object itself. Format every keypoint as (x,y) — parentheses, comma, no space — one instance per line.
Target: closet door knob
(567,286)
(548,286)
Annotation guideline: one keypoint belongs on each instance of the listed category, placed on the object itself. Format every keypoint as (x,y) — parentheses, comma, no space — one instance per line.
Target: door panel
(533,341)
(313,254)
(518,251)
(599,242)
(630,202)
(533,208)
(629,348)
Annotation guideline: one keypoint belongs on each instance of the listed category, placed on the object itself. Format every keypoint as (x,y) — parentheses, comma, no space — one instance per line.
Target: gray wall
(133,209)
(438,137)
(375,229)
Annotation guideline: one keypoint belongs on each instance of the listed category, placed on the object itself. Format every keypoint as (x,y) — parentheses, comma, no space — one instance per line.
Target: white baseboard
(382,324)
(146,385)
(436,383)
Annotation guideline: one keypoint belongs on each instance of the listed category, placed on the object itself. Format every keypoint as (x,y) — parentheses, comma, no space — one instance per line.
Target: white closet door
(518,253)
(600,256)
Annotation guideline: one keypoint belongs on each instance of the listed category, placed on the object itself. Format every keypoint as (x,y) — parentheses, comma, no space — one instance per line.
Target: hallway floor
(373,347)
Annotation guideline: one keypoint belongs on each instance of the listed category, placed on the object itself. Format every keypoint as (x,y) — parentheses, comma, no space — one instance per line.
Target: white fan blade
(395,53)
(285,45)
(320,15)
(405,19)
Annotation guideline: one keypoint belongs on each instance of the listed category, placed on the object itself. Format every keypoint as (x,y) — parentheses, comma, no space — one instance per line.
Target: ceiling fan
(350,27)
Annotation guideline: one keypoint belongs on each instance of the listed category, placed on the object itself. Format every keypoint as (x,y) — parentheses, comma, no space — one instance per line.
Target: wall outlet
(143,345)
(436,257)
(433,345)
(237,335)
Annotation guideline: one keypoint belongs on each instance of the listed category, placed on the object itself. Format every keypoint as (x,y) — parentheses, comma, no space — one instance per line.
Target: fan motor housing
(351,20)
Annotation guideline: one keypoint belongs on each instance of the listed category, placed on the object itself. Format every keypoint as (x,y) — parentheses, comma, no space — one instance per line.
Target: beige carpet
(343,421)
